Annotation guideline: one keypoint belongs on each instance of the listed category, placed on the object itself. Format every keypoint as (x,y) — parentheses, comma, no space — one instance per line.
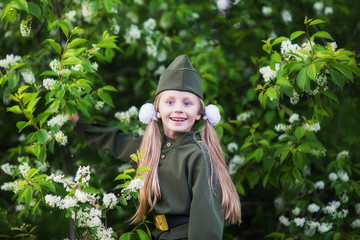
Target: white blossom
(149,25)
(95,66)
(333,45)
(295,98)
(99,105)
(49,83)
(223,4)
(24,168)
(42,166)
(61,138)
(286,16)
(52,200)
(281,127)
(10,61)
(344,198)
(355,223)
(55,66)
(232,147)
(296,211)
(8,168)
(343,213)
(87,11)
(83,174)
(319,185)
(58,120)
(160,70)
(294,117)
(284,220)
(162,56)
(343,176)
(104,234)
(313,207)
(68,202)
(314,127)
(133,111)
(77,67)
(235,163)
(299,222)
(245,115)
(132,34)
(331,208)
(71,15)
(134,185)
(109,200)
(342,155)
(318,7)
(269,74)
(279,203)
(25,28)
(81,196)
(324,227)
(333,177)
(266,10)
(328,10)
(28,76)
(20,207)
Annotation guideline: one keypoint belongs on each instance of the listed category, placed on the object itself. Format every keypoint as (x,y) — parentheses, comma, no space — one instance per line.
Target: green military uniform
(184,176)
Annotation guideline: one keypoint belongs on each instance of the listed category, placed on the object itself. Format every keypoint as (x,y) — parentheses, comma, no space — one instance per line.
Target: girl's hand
(73,118)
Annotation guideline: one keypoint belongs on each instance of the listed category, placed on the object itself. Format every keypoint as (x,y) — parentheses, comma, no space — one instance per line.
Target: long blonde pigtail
(151,146)
(230,198)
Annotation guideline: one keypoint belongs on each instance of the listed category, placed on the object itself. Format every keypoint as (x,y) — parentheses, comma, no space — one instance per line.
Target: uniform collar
(184,138)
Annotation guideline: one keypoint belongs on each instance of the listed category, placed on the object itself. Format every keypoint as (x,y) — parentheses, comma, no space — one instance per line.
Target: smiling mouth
(177,119)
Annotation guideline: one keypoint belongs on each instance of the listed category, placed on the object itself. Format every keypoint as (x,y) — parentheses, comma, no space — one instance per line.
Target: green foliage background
(226,47)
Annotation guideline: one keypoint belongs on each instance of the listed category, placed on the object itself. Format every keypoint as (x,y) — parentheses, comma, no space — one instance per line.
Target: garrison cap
(181,76)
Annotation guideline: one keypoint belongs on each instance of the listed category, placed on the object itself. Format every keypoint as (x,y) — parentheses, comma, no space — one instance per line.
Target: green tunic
(184,176)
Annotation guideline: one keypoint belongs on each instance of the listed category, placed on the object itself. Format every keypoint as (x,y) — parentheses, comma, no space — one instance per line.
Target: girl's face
(178,111)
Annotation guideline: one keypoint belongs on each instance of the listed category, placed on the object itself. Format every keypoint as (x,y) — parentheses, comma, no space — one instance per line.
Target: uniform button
(168,144)
(162,156)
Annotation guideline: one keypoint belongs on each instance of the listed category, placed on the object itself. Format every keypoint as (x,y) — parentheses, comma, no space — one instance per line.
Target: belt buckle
(161,223)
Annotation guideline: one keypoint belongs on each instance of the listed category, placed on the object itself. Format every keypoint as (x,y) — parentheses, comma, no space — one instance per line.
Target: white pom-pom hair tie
(147,113)
(212,114)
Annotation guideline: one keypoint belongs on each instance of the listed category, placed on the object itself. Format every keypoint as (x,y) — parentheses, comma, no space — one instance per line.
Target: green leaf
(21,125)
(275,235)
(337,77)
(22,4)
(49,73)
(279,40)
(302,80)
(43,154)
(28,193)
(142,234)
(299,132)
(283,81)
(271,93)
(6,10)
(337,236)
(108,5)
(76,42)
(110,88)
(32,172)
(311,71)
(34,10)
(105,97)
(46,185)
(297,174)
(125,236)
(65,30)
(42,136)
(296,34)
(332,96)
(55,45)
(72,61)
(143,169)
(322,34)
(316,21)
(298,160)
(122,176)
(14,109)
(91,190)
(345,71)
(258,153)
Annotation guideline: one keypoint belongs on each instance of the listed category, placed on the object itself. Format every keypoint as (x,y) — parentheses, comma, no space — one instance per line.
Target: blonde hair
(150,192)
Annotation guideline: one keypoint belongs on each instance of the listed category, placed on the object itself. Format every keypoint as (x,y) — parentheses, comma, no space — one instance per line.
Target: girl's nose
(178,108)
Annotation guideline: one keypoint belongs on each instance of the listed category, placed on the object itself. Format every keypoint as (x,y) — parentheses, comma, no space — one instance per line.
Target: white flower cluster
(10,61)
(104,234)
(61,138)
(132,34)
(126,116)
(68,182)
(313,207)
(319,185)
(109,200)
(310,226)
(284,221)
(87,11)
(343,175)
(115,28)
(25,28)
(95,66)
(149,25)
(318,152)
(295,98)
(315,127)
(162,56)
(292,51)
(24,168)
(71,15)
(28,76)
(286,16)
(333,176)
(232,147)
(83,175)
(49,83)
(42,166)
(294,117)
(235,163)
(151,47)
(160,70)
(342,155)
(321,81)
(55,66)
(281,127)
(245,115)
(296,211)
(320,8)
(135,185)
(89,217)
(78,67)
(269,74)
(266,10)
(99,105)
(58,120)
(11,186)
(223,4)
(8,168)
(355,223)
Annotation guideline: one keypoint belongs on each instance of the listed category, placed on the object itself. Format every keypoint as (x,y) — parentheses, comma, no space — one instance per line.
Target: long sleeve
(206,215)
(104,137)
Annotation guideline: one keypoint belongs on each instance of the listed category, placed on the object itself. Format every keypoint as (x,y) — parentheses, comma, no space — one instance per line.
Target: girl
(189,188)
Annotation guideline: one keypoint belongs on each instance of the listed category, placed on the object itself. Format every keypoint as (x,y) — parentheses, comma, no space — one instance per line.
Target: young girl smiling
(188,188)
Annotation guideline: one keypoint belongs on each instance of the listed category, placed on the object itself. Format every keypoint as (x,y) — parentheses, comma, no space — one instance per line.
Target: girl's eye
(170,102)
(187,103)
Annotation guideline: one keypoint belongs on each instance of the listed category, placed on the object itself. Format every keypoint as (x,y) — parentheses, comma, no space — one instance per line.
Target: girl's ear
(158,115)
(198,116)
